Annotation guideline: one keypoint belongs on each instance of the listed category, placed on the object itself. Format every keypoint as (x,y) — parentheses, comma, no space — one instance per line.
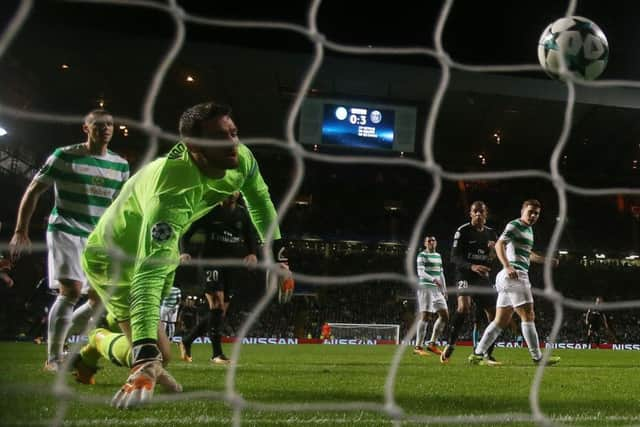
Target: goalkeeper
(145,223)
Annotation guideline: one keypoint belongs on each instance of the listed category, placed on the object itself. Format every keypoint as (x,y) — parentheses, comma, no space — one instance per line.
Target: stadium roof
(495,32)
(112,50)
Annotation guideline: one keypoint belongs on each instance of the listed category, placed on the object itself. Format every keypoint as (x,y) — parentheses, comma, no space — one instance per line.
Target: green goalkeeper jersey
(156,207)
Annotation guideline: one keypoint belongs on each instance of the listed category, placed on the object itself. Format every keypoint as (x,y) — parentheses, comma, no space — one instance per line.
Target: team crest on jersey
(177,151)
(161,232)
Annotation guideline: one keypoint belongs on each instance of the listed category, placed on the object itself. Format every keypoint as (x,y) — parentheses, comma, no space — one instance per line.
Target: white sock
(438,327)
(58,327)
(421,332)
(492,332)
(80,318)
(531,337)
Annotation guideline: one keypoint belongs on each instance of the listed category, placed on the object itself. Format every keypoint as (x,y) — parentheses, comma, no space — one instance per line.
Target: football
(161,232)
(582,44)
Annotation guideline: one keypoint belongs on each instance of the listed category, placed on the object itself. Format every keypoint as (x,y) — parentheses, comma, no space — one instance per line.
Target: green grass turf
(590,388)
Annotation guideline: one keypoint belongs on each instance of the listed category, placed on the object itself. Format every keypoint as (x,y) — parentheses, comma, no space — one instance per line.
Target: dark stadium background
(359,218)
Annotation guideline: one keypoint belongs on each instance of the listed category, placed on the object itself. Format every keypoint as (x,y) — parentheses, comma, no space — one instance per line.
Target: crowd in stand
(381,302)
(357,230)
(384,302)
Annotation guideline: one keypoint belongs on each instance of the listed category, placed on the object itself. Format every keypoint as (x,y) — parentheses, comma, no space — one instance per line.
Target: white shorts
(65,253)
(168,314)
(513,292)
(431,300)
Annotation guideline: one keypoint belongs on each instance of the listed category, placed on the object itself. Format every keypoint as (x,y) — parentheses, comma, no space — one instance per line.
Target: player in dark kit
(596,322)
(472,257)
(228,233)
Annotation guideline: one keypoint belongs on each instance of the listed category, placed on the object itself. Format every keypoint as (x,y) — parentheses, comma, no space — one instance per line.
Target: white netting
(364,332)
(429,165)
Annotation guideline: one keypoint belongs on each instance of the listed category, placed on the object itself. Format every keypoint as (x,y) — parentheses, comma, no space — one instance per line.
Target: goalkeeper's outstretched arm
(263,215)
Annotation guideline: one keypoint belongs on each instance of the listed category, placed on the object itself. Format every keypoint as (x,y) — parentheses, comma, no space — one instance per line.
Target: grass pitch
(588,388)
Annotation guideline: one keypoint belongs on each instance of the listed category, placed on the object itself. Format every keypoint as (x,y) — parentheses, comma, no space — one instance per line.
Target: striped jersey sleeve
(429,268)
(84,186)
(519,242)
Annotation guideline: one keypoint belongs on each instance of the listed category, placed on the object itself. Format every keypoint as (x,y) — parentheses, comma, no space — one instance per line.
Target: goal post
(366,331)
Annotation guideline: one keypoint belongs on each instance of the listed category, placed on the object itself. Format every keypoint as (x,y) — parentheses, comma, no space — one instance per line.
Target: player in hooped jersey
(431,297)
(514,250)
(471,255)
(169,311)
(86,177)
(228,233)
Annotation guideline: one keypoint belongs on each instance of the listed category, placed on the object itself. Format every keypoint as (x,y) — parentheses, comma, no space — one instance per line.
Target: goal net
(142,106)
(366,332)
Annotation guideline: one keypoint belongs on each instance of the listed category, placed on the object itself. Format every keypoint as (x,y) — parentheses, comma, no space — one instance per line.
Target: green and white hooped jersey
(84,186)
(172,300)
(519,242)
(429,268)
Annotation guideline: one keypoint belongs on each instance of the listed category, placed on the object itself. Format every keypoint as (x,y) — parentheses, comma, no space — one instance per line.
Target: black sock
(199,329)
(144,350)
(490,349)
(456,325)
(215,331)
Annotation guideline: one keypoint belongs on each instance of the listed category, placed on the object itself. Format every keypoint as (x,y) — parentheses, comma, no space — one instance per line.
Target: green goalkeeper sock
(112,346)
(89,353)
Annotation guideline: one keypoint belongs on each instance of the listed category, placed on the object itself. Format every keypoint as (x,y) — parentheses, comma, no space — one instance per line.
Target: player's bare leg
(494,329)
(530,334)
(502,320)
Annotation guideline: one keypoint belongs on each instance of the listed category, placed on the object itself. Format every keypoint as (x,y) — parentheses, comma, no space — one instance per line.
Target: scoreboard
(359,125)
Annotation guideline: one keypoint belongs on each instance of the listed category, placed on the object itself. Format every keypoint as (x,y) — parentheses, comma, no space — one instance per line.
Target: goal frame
(372,325)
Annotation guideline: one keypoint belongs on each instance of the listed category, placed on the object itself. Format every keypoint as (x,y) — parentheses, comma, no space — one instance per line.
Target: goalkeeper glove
(284,279)
(146,372)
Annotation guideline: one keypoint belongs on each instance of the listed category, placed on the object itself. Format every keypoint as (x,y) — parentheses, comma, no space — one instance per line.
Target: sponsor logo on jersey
(480,256)
(99,191)
(111,173)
